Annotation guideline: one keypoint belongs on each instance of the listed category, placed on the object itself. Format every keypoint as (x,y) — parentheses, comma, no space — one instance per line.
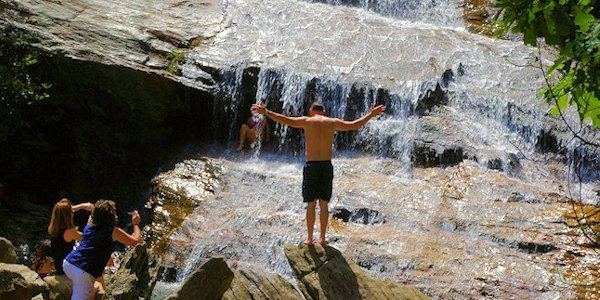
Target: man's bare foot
(239,148)
(323,241)
(308,242)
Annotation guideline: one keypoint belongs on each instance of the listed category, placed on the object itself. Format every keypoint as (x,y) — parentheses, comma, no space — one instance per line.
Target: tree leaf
(583,19)
(530,37)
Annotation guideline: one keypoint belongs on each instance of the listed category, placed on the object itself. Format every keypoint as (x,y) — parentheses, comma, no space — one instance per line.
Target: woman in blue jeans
(85,264)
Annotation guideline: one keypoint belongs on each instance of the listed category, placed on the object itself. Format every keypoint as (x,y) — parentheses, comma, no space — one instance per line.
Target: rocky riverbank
(461,190)
(322,272)
(461,231)
(135,279)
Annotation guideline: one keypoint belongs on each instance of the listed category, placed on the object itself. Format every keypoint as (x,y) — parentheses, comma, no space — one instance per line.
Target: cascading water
(449,95)
(439,12)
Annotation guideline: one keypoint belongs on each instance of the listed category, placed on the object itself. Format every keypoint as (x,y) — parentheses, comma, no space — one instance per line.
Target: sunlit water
(350,58)
(447,231)
(440,12)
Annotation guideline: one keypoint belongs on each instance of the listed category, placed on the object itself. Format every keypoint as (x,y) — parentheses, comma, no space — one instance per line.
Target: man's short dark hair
(318,106)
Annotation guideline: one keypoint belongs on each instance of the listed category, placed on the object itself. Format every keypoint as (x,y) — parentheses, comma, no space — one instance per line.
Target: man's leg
(324,218)
(310,221)
(243,133)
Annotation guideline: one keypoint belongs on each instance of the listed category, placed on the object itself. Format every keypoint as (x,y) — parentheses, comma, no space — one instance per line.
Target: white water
(446,228)
(455,219)
(439,12)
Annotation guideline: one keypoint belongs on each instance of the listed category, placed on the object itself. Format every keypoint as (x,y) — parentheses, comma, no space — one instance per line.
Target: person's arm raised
(124,238)
(296,122)
(341,125)
(86,206)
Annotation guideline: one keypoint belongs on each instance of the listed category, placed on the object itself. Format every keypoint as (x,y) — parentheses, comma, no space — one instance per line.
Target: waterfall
(438,12)
(496,125)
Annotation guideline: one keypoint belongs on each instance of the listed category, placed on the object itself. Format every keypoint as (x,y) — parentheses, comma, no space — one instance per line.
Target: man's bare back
(319,131)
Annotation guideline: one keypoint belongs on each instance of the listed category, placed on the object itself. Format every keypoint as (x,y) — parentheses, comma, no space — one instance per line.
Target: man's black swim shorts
(318,180)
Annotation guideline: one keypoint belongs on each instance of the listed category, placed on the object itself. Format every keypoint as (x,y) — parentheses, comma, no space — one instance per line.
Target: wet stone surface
(358,215)
(176,193)
(450,232)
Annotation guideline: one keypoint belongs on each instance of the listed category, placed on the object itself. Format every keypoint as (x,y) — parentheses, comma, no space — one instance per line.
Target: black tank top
(60,249)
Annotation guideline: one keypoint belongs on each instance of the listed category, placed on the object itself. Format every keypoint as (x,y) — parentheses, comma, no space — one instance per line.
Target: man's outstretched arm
(341,125)
(296,122)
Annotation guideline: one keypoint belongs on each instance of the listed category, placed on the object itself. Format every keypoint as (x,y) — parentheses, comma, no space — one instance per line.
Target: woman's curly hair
(104,213)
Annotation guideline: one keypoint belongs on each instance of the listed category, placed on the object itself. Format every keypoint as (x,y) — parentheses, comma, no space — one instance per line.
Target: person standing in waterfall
(319,131)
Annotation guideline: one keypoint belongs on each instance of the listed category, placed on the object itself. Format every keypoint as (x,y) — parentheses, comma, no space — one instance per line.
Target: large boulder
(20,282)
(60,286)
(323,272)
(250,284)
(8,253)
(210,281)
(136,277)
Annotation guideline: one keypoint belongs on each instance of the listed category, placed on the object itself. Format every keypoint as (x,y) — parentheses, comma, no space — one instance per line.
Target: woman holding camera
(85,264)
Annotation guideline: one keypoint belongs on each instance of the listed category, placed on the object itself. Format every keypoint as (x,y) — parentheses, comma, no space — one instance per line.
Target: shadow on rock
(323,272)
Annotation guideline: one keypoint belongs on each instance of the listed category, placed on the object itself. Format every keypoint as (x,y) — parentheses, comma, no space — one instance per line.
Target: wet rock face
(323,272)
(444,12)
(439,221)
(8,253)
(20,282)
(365,216)
(150,37)
(210,281)
(439,95)
(176,193)
(204,45)
(511,164)
(518,197)
(255,284)
(495,164)
(136,276)
(427,156)
(547,142)
(215,280)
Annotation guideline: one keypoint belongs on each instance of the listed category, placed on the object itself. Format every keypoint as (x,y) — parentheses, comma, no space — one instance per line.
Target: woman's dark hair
(42,253)
(104,213)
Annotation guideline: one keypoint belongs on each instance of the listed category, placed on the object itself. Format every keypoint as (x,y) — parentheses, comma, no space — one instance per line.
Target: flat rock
(323,272)
(114,32)
(210,281)
(20,282)
(253,284)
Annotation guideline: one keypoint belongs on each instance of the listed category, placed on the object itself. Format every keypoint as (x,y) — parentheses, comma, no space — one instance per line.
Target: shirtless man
(318,170)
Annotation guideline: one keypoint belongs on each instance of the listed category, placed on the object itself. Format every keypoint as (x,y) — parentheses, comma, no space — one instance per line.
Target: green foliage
(175,58)
(573,26)
(20,92)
